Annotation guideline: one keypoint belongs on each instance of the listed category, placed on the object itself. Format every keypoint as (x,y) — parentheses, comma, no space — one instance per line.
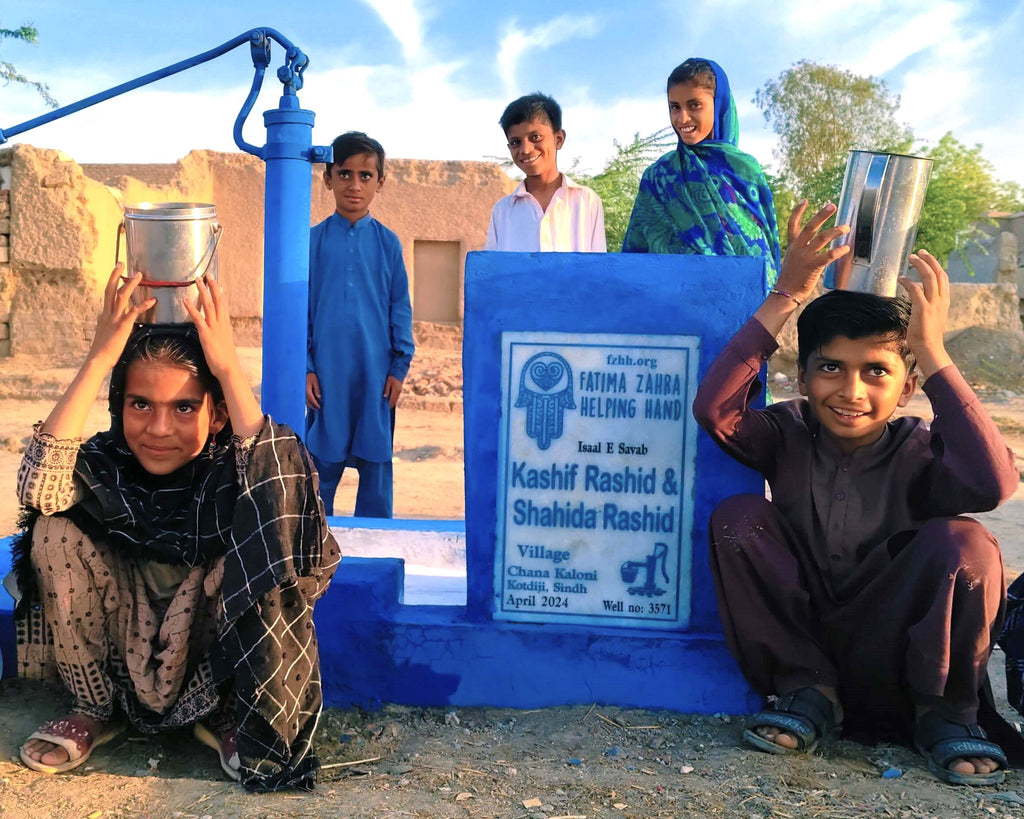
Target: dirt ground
(585,762)
(556,763)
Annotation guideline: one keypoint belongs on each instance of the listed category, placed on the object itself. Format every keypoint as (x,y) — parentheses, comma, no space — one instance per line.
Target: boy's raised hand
(803,265)
(805,262)
(929,311)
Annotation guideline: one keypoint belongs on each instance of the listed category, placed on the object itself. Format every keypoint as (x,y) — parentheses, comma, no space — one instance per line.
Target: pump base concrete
(374,649)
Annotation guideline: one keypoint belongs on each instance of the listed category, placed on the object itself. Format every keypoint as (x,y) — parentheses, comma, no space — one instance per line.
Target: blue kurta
(360,332)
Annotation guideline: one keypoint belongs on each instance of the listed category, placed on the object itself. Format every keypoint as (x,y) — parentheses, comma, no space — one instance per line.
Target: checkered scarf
(281,559)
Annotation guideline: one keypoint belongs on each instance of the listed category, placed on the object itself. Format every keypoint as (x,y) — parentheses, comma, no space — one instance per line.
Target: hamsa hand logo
(545,390)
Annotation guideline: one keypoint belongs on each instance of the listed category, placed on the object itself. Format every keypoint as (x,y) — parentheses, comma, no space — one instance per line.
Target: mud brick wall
(6,277)
(59,219)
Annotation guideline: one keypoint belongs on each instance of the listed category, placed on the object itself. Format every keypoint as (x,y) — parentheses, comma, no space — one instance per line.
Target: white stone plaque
(595,484)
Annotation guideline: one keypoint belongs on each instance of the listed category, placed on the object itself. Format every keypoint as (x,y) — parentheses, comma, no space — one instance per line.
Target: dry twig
(349,764)
(620,724)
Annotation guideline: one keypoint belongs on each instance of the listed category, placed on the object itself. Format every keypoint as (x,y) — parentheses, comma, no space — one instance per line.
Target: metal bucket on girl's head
(881,202)
(172,244)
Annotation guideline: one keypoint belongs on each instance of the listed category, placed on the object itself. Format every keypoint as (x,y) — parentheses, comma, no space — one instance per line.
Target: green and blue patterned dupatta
(709,198)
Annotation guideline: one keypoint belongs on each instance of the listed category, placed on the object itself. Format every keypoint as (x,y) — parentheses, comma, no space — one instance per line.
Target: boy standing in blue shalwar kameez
(359,344)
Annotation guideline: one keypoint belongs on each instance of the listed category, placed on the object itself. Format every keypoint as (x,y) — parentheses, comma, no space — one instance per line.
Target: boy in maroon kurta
(859,587)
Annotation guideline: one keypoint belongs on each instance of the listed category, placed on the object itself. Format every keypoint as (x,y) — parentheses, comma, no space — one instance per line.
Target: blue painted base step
(374,649)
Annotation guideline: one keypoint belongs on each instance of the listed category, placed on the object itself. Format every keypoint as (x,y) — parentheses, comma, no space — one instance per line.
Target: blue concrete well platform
(376,649)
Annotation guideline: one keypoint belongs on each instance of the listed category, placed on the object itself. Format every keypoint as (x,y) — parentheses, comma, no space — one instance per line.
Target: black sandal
(941,742)
(805,713)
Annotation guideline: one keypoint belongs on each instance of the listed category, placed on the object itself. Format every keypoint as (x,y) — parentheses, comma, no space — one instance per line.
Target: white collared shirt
(574,221)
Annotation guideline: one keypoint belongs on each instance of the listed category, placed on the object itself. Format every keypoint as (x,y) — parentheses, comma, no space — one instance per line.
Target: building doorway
(436,281)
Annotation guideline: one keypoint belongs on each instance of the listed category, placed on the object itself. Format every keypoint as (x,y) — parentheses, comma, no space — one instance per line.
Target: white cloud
(588,141)
(423,106)
(931,99)
(809,16)
(1002,147)
(407,125)
(149,126)
(941,93)
(398,105)
(516,42)
(405,22)
(899,34)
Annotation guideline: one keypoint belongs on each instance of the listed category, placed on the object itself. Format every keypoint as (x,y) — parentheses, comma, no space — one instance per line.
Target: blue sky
(429,78)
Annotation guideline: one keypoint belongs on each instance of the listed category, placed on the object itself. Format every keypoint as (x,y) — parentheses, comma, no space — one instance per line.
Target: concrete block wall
(375,650)
(62,228)
(984,259)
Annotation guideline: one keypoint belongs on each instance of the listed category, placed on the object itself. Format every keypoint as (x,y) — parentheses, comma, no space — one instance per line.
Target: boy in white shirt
(548,211)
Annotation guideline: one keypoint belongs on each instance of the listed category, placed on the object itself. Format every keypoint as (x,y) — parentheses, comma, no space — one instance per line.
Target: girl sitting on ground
(707,196)
(168,567)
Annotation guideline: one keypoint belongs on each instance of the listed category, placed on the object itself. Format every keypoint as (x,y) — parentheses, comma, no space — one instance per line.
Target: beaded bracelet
(783,293)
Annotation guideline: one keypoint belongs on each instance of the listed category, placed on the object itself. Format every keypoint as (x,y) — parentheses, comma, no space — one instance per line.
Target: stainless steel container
(172,244)
(881,202)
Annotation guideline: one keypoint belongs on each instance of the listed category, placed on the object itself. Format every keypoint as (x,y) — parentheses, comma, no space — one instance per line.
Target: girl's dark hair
(175,351)
(854,315)
(699,72)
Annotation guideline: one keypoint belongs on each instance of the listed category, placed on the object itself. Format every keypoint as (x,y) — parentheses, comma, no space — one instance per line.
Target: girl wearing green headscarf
(706,196)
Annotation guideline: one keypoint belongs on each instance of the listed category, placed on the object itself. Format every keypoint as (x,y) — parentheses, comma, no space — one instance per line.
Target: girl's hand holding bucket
(117,318)
(214,326)
(113,327)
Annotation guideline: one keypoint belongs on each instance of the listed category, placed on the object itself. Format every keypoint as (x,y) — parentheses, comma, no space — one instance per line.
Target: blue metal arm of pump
(290,75)
(260,49)
(259,39)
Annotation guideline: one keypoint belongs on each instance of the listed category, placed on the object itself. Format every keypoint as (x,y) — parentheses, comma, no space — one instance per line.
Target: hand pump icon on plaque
(650,587)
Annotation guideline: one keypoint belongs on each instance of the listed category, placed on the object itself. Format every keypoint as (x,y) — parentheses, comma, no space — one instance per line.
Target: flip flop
(225,748)
(73,734)
(941,742)
(805,713)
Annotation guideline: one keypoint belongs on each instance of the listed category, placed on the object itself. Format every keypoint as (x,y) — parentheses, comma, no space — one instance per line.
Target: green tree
(785,200)
(963,188)
(9,74)
(1009,197)
(619,182)
(821,113)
